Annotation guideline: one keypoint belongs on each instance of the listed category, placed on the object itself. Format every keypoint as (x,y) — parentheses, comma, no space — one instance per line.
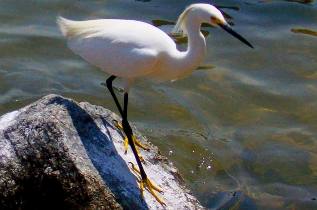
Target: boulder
(60,154)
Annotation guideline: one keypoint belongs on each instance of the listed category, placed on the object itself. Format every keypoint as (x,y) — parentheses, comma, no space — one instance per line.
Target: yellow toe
(126,141)
(139,144)
(126,145)
(149,185)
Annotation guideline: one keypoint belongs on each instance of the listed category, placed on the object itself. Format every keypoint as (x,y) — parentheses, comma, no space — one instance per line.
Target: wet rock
(59,154)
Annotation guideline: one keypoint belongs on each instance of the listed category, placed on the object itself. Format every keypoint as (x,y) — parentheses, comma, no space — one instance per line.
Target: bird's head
(210,14)
(206,13)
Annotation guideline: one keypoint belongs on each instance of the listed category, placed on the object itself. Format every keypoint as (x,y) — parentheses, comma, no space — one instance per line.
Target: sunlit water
(242,133)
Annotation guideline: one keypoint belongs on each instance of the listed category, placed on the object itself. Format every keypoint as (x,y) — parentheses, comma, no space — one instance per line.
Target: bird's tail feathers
(71,28)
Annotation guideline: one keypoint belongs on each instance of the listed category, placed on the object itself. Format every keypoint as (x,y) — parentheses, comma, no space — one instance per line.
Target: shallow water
(242,132)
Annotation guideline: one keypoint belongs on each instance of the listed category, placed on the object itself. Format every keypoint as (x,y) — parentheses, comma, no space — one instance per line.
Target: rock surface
(59,154)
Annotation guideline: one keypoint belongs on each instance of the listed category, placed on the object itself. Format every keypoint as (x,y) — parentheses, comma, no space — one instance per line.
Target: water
(242,133)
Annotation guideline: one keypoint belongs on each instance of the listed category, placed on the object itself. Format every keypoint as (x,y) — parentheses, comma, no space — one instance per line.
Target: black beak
(227,28)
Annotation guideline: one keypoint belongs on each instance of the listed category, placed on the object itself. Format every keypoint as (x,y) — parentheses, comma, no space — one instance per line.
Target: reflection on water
(242,129)
(297,1)
(304,31)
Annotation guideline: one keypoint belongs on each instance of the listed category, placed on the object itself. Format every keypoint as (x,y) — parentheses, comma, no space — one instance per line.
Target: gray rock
(59,154)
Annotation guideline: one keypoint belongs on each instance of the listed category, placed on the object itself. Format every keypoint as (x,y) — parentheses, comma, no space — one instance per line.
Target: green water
(243,133)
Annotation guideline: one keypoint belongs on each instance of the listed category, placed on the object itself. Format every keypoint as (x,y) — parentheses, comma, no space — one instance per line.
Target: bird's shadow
(101,151)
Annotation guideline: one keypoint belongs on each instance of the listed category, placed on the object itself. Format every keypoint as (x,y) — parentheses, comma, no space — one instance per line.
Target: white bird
(131,50)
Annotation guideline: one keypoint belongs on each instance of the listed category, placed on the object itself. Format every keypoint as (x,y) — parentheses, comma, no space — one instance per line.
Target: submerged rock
(59,154)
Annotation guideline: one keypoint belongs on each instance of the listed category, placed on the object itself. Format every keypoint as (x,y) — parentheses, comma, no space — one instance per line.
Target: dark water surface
(243,132)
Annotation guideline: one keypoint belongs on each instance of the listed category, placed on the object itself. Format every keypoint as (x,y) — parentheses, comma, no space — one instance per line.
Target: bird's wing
(120,47)
(115,57)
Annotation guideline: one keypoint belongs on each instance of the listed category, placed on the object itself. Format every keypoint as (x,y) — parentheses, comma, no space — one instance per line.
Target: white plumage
(124,48)
(132,49)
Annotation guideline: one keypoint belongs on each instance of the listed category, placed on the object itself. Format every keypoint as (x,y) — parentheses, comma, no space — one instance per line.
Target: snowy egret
(131,49)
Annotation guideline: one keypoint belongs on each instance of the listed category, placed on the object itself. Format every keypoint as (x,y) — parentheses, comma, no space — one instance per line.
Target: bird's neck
(196,50)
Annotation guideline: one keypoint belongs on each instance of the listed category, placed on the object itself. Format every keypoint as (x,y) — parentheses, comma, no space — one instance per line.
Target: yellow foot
(126,141)
(126,145)
(148,184)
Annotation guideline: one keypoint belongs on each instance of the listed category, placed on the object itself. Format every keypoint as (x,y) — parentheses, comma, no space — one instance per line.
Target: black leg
(125,124)
(110,88)
(128,131)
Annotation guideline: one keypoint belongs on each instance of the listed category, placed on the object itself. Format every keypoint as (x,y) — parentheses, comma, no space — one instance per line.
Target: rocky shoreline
(59,154)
